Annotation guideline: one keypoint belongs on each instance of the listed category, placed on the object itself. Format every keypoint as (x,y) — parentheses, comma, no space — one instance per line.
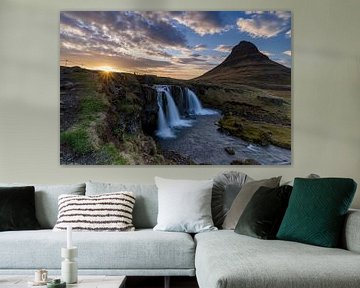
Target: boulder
(230,150)
(265,138)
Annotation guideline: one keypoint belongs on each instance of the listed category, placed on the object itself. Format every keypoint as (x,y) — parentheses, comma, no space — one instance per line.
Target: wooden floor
(158,282)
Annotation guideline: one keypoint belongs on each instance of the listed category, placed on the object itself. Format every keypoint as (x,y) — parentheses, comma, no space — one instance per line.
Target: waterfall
(169,118)
(164,130)
(168,115)
(172,112)
(194,106)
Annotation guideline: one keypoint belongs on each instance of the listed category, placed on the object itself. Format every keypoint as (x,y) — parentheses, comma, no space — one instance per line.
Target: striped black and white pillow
(105,212)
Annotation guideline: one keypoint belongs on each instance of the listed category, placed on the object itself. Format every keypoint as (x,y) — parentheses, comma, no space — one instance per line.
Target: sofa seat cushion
(142,249)
(225,259)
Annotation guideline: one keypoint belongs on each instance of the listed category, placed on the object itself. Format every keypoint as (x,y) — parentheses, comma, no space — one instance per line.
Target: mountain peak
(245,47)
(246,64)
(244,51)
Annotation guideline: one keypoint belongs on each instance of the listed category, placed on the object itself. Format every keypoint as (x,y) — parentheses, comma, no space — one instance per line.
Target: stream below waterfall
(204,144)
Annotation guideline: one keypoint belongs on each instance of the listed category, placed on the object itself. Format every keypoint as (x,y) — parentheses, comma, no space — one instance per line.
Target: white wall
(326,90)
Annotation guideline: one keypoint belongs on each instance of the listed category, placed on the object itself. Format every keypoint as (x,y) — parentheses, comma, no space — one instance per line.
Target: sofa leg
(167,282)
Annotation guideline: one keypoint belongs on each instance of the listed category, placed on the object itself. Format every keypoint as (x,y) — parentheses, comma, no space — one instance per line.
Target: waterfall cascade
(164,130)
(195,107)
(169,116)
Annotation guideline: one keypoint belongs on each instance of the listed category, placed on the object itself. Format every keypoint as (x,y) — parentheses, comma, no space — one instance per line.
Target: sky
(177,44)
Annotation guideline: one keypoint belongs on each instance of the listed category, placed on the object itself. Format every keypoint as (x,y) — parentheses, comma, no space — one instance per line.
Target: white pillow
(184,205)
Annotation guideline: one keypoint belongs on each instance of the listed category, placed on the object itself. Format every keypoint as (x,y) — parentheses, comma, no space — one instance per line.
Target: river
(204,144)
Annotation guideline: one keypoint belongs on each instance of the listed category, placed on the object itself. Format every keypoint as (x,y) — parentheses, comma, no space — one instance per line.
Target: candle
(69,239)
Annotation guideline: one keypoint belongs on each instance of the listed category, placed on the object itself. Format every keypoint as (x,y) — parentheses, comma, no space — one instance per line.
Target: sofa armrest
(351,234)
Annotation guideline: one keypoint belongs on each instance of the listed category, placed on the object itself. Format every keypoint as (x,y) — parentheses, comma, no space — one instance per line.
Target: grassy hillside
(100,120)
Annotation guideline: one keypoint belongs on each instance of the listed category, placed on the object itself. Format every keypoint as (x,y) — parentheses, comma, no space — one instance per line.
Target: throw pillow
(146,205)
(184,205)
(106,212)
(243,198)
(17,209)
(317,210)
(263,215)
(46,200)
(226,187)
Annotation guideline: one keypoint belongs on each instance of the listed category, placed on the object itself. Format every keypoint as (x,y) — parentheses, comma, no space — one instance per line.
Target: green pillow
(316,211)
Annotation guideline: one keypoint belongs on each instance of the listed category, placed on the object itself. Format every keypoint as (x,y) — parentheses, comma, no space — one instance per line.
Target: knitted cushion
(316,211)
(105,212)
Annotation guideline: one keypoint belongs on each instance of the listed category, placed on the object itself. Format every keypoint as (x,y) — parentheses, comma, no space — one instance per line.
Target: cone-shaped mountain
(247,65)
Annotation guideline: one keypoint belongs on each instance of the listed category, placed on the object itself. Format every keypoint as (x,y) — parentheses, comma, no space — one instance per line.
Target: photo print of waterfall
(175,88)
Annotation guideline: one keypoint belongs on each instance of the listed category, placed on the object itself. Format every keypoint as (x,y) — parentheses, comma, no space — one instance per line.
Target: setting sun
(107,69)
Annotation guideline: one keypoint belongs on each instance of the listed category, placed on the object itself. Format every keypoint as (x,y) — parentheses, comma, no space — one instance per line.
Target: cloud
(200,47)
(223,48)
(123,27)
(284,62)
(201,22)
(164,33)
(189,60)
(196,55)
(266,53)
(128,36)
(249,12)
(285,15)
(288,34)
(265,25)
(288,52)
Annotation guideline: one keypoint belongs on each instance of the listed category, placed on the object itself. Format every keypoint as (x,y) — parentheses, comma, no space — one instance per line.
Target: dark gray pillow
(243,198)
(263,215)
(226,187)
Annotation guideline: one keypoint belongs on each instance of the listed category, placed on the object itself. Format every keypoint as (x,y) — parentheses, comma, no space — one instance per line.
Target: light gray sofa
(220,259)
(143,252)
(226,259)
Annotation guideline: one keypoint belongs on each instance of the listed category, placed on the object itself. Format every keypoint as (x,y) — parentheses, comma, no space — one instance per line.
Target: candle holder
(69,271)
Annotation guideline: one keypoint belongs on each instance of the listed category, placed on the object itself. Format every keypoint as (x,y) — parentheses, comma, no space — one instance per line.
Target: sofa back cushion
(146,204)
(46,200)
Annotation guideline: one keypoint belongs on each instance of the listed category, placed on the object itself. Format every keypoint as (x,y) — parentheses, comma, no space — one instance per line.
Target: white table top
(84,281)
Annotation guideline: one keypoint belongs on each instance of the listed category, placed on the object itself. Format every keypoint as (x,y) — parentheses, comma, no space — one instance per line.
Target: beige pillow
(243,198)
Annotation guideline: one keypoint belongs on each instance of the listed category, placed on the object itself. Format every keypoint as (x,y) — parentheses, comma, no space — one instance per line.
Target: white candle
(69,239)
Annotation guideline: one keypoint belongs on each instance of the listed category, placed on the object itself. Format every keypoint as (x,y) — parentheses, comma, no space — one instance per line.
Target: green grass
(257,132)
(112,152)
(77,140)
(90,106)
